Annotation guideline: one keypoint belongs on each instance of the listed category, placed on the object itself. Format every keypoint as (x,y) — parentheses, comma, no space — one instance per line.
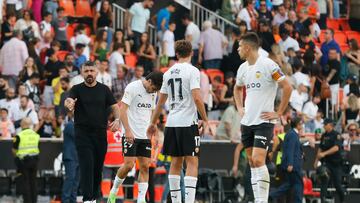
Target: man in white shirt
(286,41)
(45,25)
(23,111)
(192,34)
(168,43)
(298,97)
(103,76)
(281,16)
(309,113)
(261,77)
(9,102)
(116,59)
(82,38)
(137,20)
(136,108)
(181,87)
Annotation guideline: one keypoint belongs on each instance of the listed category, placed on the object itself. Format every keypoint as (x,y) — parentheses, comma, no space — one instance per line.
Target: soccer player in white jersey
(136,108)
(181,85)
(261,77)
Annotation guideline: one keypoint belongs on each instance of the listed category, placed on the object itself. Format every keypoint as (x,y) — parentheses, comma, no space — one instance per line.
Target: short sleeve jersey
(178,82)
(260,81)
(141,104)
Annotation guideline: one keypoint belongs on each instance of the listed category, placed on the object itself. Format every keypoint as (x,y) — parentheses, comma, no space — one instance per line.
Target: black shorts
(257,135)
(140,147)
(181,141)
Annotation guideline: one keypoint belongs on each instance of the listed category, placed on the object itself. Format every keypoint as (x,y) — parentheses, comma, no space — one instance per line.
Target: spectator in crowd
(100,49)
(326,11)
(230,8)
(47,124)
(7,129)
(14,6)
(26,150)
(289,26)
(7,28)
(329,43)
(80,57)
(266,35)
(286,41)
(82,38)
(70,160)
(116,59)
(298,75)
(353,56)
(146,53)
(60,24)
(205,89)
(65,86)
(22,91)
(168,43)
(352,129)
(9,102)
(291,163)
(23,111)
(292,16)
(29,68)
(120,82)
(354,15)
(351,84)
(138,73)
(298,97)
(103,20)
(28,26)
(51,71)
(329,153)
(34,47)
(12,57)
(332,74)
(350,110)
(249,15)
(163,17)
(264,13)
(56,85)
(3,87)
(138,17)
(226,97)
(103,76)
(51,6)
(309,113)
(192,34)
(281,16)
(211,46)
(33,90)
(70,67)
(119,37)
(229,127)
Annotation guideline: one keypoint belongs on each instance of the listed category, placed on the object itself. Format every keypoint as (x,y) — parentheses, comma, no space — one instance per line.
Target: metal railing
(201,14)
(119,15)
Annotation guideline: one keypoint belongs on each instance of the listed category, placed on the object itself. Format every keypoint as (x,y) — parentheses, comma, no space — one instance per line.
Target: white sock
(143,186)
(190,189)
(254,183)
(117,182)
(263,181)
(175,191)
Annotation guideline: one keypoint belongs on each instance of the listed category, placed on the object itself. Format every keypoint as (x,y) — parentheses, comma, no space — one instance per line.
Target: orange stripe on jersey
(276,75)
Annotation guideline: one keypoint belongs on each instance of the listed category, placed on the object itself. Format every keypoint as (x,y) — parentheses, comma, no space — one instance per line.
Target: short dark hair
(24,96)
(171,3)
(289,22)
(118,46)
(79,46)
(295,121)
(104,60)
(4,109)
(46,14)
(251,38)
(88,63)
(50,52)
(186,16)
(183,48)
(331,31)
(35,76)
(60,9)
(65,79)
(156,79)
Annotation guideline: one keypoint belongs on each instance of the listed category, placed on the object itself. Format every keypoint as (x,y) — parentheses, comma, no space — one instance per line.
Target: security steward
(291,163)
(331,160)
(26,150)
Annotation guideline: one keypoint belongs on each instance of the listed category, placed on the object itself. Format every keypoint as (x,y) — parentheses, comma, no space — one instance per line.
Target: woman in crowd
(100,50)
(34,47)
(103,20)
(146,53)
(350,110)
(119,37)
(226,96)
(353,56)
(27,24)
(29,68)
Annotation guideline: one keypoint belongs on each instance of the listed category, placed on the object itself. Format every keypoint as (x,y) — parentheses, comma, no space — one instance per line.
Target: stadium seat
(308,189)
(83,9)
(353,35)
(68,5)
(131,60)
(61,55)
(333,23)
(69,32)
(343,47)
(212,73)
(164,69)
(340,37)
(344,24)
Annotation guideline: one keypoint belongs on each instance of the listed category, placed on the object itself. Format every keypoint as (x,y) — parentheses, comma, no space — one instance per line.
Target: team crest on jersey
(258,74)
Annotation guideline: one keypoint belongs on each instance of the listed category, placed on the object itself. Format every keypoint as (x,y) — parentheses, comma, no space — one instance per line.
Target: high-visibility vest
(29,143)
(114,156)
(281,137)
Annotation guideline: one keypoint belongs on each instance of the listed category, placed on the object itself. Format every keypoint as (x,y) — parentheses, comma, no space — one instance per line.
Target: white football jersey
(260,81)
(178,82)
(141,104)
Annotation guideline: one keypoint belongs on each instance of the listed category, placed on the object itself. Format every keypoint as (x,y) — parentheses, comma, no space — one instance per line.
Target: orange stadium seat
(212,73)
(353,35)
(68,5)
(344,24)
(131,60)
(83,9)
(340,38)
(333,23)
(308,188)
(61,55)
(69,32)
(343,47)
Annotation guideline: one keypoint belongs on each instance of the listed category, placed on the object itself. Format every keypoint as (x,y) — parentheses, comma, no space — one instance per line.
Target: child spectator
(7,129)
